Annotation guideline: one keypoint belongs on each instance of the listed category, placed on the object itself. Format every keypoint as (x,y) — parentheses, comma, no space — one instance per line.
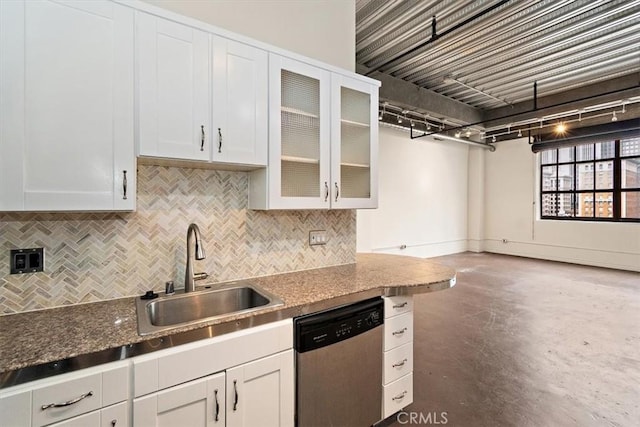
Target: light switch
(26,260)
(317,237)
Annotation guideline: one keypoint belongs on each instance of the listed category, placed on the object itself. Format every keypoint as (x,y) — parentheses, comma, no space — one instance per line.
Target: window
(597,182)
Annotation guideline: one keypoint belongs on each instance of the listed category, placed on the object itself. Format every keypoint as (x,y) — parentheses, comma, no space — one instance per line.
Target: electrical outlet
(317,237)
(26,260)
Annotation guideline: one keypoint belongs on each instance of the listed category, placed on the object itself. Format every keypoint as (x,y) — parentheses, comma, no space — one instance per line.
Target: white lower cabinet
(261,393)
(397,369)
(244,378)
(196,403)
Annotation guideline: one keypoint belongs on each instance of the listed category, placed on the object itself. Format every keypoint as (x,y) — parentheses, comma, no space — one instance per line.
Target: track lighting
(468,133)
(458,134)
(493,138)
(561,128)
(614,118)
(519,133)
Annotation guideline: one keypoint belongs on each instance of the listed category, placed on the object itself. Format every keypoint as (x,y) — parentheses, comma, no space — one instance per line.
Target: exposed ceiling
(477,61)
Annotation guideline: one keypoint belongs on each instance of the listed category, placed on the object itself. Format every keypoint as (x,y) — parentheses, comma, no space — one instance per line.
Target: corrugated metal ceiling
(506,46)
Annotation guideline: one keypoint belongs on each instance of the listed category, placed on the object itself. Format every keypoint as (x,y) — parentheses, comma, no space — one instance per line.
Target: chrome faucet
(189,276)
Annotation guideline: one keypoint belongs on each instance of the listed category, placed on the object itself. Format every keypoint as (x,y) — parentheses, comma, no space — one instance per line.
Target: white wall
(511,213)
(320,29)
(422,198)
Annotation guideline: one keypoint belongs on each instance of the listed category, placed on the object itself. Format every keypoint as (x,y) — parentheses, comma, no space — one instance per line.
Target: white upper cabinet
(66,106)
(239,103)
(200,96)
(323,140)
(299,138)
(173,89)
(354,143)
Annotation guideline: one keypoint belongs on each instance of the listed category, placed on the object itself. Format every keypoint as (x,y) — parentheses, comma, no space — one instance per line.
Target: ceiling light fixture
(519,133)
(399,118)
(458,134)
(493,138)
(468,133)
(561,128)
(614,118)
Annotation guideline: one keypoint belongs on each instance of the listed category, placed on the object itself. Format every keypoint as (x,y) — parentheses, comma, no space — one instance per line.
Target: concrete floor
(522,342)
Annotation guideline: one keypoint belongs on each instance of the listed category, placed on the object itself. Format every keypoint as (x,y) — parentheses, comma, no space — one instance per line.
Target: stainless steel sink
(169,312)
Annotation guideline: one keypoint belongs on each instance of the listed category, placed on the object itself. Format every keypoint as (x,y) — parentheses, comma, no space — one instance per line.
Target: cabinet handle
(68,403)
(202,140)
(124,185)
(235,395)
(217,414)
(400,396)
(113,423)
(400,332)
(219,141)
(404,304)
(337,191)
(326,191)
(399,364)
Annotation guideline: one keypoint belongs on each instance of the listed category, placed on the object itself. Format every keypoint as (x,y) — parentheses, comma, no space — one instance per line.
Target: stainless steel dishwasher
(339,366)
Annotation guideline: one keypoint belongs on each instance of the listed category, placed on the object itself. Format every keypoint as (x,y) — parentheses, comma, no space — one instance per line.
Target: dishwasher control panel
(332,326)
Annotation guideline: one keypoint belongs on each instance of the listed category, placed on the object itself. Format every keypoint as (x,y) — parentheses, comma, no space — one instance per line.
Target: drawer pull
(400,396)
(124,185)
(404,304)
(399,364)
(400,332)
(217,414)
(68,403)
(235,396)
(113,423)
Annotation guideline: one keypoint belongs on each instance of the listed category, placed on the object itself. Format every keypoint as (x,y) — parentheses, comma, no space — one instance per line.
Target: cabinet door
(173,89)
(66,86)
(354,143)
(239,104)
(196,403)
(261,393)
(299,135)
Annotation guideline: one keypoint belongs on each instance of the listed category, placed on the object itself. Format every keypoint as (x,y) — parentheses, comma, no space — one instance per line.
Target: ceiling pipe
(466,141)
(454,139)
(586,98)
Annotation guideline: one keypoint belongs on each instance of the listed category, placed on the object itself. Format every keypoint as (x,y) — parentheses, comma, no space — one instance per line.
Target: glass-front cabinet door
(300,135)
(323,140)
(354,143)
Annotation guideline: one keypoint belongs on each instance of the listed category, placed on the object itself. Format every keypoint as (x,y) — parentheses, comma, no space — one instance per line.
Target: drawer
(397,363)
(112,416)
(73,393)
(397,305)
(398,330)
(107,386)
(397,395)
(115,415)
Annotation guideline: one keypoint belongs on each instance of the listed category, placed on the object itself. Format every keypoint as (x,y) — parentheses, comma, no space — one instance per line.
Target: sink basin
(169,312)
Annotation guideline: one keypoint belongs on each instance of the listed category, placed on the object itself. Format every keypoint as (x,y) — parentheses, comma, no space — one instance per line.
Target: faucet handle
(168,288)
(200,276)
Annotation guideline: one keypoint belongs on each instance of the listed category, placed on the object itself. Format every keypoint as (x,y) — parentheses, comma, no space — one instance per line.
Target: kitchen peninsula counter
(49,339)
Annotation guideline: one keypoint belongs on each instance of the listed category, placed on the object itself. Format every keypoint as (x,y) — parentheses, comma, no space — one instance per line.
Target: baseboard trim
(593,257)
(427,250)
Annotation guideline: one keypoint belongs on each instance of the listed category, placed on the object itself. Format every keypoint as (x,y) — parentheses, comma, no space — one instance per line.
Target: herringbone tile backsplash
(99,256)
